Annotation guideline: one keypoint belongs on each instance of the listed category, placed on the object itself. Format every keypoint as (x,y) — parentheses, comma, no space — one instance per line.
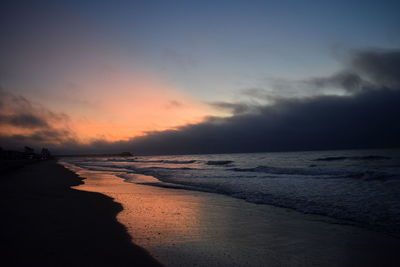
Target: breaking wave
(219,162)
(371,157)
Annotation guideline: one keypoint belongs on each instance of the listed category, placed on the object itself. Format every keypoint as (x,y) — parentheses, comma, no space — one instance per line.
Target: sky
(158,77)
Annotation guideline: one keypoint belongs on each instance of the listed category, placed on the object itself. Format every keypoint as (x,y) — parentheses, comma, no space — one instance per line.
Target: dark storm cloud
(18,111)
(23,120)
(380,66)
(347,80)
(365,118)
(45,137)
(329,122)
(367,69)
(25,123)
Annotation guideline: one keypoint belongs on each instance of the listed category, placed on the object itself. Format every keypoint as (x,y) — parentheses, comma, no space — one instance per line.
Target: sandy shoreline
(186,228)
(47,223)
(44,222)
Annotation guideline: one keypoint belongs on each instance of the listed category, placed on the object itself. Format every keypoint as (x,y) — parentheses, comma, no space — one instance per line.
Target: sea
(361,187)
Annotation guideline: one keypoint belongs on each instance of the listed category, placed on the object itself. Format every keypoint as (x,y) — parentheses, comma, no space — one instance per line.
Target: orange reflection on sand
(152,215)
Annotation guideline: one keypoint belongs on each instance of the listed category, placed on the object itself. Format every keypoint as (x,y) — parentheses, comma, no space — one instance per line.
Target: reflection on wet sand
(189,228)
(153,217)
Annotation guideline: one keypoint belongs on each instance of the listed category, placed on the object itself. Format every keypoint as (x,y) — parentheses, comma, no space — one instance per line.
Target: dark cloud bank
(367,116)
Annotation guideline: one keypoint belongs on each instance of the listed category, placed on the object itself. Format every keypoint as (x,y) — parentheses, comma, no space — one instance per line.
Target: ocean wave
(102,167)
(154,161)
(373,175)
(179,161)
(292,171)
(158,172)
(141,161)
(219,162)
(122,160)
(315,173)
(164,168)
(371,157)
(322,173)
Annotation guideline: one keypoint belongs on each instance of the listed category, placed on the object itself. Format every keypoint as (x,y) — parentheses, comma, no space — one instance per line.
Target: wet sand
(44,222)
(188,228)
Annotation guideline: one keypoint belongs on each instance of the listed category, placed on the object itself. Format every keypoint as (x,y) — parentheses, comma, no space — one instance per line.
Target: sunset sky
(76,74)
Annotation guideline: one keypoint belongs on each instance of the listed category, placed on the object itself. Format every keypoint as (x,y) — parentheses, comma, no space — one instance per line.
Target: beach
(44,222)
(200,133)
(51,218)
(190,228)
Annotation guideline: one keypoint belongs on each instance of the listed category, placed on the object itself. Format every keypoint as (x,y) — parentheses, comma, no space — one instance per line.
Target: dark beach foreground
(44,222)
